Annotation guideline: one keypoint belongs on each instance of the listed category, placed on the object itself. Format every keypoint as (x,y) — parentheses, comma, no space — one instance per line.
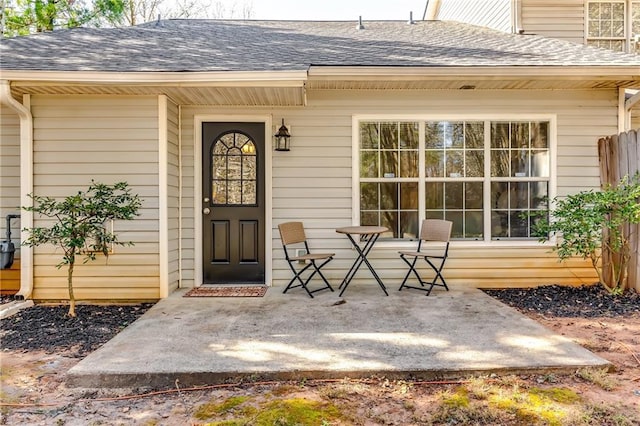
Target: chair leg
(303,284)
(411,268)
(426,286)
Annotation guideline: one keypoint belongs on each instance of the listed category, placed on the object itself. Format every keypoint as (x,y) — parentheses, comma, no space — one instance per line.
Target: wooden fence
(620,157)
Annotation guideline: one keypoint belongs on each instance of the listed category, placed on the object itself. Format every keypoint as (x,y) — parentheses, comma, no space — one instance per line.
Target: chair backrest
(436,230)
(292,233)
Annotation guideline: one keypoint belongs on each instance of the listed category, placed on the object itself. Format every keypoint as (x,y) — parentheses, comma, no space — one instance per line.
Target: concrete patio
(290,336)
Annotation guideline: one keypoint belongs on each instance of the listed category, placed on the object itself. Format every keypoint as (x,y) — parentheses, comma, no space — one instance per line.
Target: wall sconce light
(282,138)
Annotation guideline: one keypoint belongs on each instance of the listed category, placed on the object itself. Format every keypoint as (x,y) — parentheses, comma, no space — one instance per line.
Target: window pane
(540,163)
(519,226)
(457,217)
(409,196)
(473,225)
(369,196)
(249,192)
(520,163)
(234,167)
(499,195)
(454,195)
(249,167)
(234,192)
(473,195)
(369,219)
(539,135)
(474,165)
(390,220)
(435,214)
(520,135)
(538,195)
(455,134)
(389,136)
(369,136)
(408,163)
(434,135)
(435,195)
(500,163)
(499,224)
(219,167)
(455,163)
(474,135)
(519,195)
(500,135)
(435,163)
(409,135)
(389,196)
(219,192)
(409,224)
(389,163)
(369,164)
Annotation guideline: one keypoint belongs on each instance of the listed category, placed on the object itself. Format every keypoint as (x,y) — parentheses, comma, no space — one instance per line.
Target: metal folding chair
(433,247)
(292,234)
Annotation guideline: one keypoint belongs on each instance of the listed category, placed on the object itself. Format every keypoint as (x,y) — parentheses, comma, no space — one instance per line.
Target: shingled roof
(227,45)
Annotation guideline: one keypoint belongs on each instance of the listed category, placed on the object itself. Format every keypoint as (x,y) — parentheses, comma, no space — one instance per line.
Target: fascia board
(235,79)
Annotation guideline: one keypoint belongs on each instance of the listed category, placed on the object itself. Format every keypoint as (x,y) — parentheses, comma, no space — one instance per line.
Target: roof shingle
(227,45)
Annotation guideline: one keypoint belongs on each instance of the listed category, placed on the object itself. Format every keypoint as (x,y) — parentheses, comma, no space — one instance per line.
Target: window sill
(468,244)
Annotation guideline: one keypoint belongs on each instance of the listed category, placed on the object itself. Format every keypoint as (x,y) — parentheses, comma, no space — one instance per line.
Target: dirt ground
(34,393)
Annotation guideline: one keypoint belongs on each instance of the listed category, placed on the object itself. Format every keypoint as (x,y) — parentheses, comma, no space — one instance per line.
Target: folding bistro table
(368,234)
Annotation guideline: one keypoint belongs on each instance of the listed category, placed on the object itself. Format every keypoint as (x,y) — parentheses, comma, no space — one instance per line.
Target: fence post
(620,156)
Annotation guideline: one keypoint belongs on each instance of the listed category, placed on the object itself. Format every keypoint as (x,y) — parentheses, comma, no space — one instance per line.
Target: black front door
(233,209)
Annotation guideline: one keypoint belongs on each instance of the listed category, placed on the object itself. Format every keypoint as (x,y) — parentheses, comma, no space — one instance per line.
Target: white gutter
(625,72)
(26,182)
(178,79)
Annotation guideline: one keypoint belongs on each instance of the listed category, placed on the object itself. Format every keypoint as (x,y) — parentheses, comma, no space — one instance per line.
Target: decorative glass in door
(234,170)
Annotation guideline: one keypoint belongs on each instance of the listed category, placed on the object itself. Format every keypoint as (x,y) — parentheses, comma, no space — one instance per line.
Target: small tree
(591,224)
(79,224)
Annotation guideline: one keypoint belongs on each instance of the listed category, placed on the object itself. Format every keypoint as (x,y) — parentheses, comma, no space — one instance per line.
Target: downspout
(628,106)
(180,254)
(516,17)
(26,182)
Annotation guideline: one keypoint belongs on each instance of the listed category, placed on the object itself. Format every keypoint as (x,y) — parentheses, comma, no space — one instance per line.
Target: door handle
(206,210)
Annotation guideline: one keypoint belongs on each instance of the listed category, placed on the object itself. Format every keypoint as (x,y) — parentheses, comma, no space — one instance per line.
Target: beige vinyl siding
(563,19)
(494,14)
(313,182)
(173,194)
(108,139)
(10,192)
(9,171)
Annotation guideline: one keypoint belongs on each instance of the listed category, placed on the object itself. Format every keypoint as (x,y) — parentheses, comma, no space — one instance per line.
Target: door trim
(197,188)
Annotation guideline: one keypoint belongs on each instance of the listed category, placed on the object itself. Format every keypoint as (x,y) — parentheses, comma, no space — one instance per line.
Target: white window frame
(628,37)
(422,119)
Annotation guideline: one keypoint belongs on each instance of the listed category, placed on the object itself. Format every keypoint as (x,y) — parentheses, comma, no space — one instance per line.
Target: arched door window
(234,170)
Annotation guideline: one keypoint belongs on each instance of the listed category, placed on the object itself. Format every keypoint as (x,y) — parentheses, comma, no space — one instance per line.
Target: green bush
(594,225)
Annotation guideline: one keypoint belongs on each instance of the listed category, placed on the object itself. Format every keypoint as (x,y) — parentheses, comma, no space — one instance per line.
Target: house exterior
(609,24)
(391,123)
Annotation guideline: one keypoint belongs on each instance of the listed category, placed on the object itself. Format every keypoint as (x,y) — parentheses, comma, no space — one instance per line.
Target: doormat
(249,291)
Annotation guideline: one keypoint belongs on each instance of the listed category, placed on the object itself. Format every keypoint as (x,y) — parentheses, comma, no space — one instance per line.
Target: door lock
(206,200)
(206,210)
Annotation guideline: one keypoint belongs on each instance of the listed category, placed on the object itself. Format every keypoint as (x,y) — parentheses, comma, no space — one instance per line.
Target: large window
(491,178)
(614,24)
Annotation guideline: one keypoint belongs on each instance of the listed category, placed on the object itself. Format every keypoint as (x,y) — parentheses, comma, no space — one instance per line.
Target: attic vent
(359,26)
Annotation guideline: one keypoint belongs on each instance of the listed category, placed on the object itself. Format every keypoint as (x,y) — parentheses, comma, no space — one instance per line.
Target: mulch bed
(248,291)
(561,301)
(48,328)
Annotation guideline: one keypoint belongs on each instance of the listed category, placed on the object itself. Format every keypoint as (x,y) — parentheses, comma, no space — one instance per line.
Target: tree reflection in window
(234,170)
